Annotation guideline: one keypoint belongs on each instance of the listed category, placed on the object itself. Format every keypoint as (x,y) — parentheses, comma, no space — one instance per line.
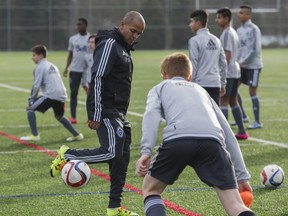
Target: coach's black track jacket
(112,70)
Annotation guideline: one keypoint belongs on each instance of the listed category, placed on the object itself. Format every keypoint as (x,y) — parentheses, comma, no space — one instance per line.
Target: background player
(86,78)
(230,42)
(250,59)
(207,57)
(78,47)
(47,78)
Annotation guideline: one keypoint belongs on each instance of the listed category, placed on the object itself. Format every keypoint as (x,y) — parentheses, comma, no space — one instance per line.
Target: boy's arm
(151,122)
(232,146)
(38,76)
(150,125)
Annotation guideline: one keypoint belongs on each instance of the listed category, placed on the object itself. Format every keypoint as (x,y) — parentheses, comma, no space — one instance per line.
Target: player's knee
(57,117)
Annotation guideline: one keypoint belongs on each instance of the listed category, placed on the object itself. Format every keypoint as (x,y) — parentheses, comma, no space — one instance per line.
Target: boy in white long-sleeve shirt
(47,78)
(250,60)
(207,57)
(195,135)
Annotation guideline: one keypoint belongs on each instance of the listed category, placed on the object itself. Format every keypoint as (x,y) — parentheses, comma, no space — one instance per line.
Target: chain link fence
(24,23)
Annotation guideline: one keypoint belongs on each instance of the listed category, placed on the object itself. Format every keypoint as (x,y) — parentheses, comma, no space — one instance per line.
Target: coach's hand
(93,124)
(142,165)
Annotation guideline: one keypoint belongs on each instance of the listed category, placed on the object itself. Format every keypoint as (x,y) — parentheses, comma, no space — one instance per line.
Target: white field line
(265,142)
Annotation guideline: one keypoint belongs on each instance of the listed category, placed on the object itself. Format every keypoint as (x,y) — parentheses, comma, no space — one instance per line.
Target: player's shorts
(231,87)
(42,104)
(250,77)
(214,93)
(208,158)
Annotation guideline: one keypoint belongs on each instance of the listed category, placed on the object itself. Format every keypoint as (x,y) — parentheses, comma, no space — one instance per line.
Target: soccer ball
(272,176)
(76,173)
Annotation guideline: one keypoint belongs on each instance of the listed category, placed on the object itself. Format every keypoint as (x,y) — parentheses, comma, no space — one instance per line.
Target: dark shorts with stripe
(208,158)
(250,77)
(42,104)
(231,87)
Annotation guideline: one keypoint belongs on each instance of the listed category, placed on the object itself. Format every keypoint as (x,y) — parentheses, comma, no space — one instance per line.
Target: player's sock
(238,118)
(32,122)
(67,124)
(153,205)
(239,98)
(256,107)
(224,110)
(247,213)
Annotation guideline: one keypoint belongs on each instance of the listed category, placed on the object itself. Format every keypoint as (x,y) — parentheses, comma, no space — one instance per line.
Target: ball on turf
(247,198)
(272,176)
(76,173)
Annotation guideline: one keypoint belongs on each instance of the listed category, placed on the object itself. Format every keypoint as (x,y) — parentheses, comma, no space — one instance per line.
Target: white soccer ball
(76,173)
(272,176)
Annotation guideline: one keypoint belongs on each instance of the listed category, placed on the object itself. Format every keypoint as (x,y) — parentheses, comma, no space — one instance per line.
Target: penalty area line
(168,204)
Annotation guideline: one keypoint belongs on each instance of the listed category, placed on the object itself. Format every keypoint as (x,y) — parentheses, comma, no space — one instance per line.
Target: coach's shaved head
(133,16)
(132,26)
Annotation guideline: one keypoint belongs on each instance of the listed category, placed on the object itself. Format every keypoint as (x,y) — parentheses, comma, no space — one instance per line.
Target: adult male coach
(77,47)
(207,57)
(196,135)
(107,105)
(250,59)
(230,42)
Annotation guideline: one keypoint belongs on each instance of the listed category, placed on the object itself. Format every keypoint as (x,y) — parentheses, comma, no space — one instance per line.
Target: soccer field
(26,187)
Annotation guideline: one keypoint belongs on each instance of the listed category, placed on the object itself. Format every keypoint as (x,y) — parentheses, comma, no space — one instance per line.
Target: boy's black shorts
(42,104)
(207,157)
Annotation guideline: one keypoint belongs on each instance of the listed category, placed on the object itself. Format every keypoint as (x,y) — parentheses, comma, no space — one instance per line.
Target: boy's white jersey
(189,111)
(208,59)
(230,42)
(250,53)
(86,77)
(78,44)
(47,79)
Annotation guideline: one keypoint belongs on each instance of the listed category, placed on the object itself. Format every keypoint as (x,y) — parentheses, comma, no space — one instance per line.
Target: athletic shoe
(31,138)
(120,212)
(72,120)
(255,125)
(242,136)
(245,120)
(59,162)
(75,138)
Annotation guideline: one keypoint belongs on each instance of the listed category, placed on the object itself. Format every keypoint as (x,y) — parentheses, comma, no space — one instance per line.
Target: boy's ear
(164,75)
(189,78)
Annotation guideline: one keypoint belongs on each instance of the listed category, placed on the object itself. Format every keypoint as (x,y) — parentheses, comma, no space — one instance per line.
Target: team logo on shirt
(211,45)
(52,70)
(79,48)
(120,132)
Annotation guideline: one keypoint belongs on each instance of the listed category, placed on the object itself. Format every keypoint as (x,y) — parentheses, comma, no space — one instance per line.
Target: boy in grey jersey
(86,78)
(196,135)
(207,57)
(78,47)
(250,59)
(229,40)
(47,78)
